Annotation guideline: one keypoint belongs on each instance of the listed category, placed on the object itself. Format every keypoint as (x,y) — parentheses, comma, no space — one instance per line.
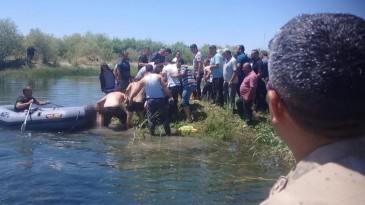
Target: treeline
(77,48)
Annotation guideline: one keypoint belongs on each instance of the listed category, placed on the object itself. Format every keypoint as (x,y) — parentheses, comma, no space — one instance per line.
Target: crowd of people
(223,74)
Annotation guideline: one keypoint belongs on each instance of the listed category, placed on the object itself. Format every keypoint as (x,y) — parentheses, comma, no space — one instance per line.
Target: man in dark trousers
(156,104)
(30,54)
(125,71)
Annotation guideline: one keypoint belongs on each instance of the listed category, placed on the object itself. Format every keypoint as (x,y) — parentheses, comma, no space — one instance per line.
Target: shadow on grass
(198,112)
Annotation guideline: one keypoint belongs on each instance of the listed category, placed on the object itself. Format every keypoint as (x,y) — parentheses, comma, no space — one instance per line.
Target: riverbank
(260,140)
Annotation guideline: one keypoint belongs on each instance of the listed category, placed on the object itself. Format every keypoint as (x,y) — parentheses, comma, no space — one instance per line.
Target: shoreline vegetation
(260,140)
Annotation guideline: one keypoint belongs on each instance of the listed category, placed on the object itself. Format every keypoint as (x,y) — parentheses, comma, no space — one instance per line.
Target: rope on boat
(73,126)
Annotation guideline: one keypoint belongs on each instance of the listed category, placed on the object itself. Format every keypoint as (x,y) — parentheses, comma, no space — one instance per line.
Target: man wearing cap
(316,98)
(216,67)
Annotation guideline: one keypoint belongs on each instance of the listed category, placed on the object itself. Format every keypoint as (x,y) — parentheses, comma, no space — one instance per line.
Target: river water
(104,166)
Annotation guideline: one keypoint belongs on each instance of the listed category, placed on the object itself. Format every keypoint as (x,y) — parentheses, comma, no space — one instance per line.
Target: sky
(223,23)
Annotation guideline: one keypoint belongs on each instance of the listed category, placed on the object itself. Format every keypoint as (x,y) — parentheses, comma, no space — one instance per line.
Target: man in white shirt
(230,78)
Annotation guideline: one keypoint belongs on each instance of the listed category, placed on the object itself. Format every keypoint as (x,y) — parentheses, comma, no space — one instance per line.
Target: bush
(10,40)
(46,45)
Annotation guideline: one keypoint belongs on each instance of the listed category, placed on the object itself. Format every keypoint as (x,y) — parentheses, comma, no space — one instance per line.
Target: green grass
(54,72)
(260,140)
(266,143)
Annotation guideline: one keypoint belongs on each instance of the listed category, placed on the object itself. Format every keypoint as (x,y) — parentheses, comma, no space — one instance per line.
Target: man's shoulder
(330,183)
(20,98)
(142,57)
(218,55)
(233,61)
(252,75)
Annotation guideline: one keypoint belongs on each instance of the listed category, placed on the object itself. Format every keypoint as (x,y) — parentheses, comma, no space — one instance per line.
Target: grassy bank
(259,140)
(48,72)
(42,72)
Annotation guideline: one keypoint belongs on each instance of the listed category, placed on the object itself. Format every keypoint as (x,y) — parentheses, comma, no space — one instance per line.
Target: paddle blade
(23,127)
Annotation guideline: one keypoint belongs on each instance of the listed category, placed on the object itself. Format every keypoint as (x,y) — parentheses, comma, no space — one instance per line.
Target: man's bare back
(131,88)
(113,99)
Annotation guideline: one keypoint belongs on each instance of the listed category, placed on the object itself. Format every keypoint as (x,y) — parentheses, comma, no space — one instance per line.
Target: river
(104,166)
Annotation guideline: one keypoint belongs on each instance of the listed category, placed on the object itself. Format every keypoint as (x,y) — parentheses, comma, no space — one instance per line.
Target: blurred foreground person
(316,95)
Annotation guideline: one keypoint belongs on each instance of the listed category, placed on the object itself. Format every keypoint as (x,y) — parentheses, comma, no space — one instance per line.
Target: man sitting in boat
(110,106)
(23,102)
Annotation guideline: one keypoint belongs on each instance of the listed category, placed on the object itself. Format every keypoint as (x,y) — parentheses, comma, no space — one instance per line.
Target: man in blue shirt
(241,58)
(160,55)
(143,59)
(125,71)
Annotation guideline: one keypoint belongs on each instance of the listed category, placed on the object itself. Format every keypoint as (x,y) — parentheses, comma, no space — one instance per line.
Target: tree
(72,47)
(10,39)
(46,45)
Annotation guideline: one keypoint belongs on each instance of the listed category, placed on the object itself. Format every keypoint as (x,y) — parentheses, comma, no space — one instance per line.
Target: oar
(56,105)
(26,118)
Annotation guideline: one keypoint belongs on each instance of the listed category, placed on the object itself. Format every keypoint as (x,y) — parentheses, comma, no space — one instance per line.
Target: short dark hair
(193,46)
(317,68)
(168,50)
(149,68)
(264,53)
(25,88)
(212,47)
(228,52)
(255,51)
(146,48)
(180,60)
(242,48)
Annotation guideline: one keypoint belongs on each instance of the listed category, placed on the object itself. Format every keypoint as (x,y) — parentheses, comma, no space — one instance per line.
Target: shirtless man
(111,106)
(137,105)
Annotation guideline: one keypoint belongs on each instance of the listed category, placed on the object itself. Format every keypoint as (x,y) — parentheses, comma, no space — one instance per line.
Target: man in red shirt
(247,94)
